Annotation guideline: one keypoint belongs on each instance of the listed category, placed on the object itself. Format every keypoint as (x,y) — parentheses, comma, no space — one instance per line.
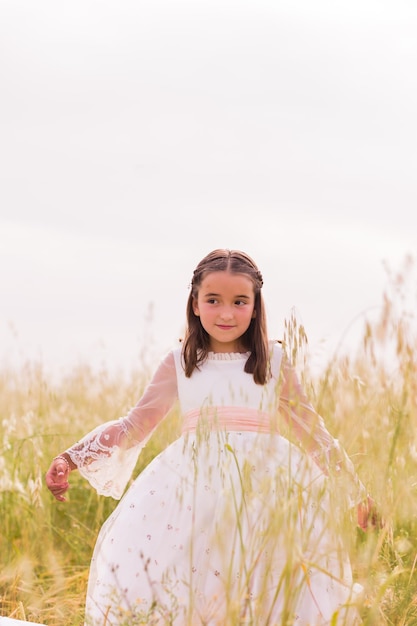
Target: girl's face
(225,305)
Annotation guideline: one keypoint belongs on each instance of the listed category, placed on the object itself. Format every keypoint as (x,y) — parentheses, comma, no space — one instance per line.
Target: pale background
(136,136)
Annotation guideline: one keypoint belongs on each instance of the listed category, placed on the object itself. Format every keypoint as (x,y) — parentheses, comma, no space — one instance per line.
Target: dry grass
(368,399)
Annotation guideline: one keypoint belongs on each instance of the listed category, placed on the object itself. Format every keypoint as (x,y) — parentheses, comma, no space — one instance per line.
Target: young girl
(232,523)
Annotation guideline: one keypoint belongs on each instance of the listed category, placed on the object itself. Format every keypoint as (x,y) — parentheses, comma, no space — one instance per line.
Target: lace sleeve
(107,455)
(309,428)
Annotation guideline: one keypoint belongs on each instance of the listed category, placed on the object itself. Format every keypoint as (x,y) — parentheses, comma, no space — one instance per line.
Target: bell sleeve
(309,428)
(107,455)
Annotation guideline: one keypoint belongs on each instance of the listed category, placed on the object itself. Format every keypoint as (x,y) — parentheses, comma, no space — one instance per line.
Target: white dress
(231,524)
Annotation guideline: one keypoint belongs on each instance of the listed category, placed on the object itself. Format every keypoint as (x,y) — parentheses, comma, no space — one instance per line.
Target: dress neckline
(227,356)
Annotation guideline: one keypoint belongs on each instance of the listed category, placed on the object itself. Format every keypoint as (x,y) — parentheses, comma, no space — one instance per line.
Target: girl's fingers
(368,516)
(57,479)
(59,490)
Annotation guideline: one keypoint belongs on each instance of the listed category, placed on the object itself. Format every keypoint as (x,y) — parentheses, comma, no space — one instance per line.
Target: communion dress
(232,524)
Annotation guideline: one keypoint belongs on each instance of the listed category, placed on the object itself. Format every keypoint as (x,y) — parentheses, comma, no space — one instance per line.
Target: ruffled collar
(227,356)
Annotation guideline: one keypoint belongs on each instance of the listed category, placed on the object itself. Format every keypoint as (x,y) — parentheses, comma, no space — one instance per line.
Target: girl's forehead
(227,280)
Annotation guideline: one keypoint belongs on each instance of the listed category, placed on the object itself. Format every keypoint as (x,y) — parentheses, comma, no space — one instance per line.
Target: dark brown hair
(255,340)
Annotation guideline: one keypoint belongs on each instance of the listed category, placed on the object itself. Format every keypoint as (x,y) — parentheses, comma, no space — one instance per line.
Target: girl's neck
(218,348)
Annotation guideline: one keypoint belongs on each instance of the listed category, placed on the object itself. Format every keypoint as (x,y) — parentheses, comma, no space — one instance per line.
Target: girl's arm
(107,455)
(309,428)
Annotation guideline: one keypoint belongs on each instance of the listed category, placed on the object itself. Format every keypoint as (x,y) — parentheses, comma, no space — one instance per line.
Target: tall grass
(367,396)
(45,546)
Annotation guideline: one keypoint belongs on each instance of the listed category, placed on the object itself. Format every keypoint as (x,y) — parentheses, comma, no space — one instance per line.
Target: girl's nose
(226,313)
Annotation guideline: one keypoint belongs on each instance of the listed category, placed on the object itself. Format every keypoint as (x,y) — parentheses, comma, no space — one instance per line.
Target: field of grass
(368,400)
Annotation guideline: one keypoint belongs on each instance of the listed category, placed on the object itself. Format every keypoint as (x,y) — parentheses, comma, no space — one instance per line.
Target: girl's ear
(253,314)
(195,308)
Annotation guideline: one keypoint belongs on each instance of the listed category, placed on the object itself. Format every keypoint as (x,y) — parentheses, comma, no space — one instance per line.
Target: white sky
(136,136)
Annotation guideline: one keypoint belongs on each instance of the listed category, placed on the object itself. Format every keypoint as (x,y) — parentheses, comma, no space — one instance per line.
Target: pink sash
(228,418)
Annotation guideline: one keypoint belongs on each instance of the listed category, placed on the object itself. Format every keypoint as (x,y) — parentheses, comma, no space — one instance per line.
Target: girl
(232,523)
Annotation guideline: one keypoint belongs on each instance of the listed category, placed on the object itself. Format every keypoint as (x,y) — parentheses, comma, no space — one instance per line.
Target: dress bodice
(221,382)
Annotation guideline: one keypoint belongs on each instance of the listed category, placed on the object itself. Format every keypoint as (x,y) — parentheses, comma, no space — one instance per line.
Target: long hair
(255,340)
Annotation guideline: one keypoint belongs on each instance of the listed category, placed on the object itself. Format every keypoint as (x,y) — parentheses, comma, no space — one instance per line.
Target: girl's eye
(240,302)
(212,301)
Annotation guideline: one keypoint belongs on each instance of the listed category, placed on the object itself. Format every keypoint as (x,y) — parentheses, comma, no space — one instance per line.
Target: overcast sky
(136,136)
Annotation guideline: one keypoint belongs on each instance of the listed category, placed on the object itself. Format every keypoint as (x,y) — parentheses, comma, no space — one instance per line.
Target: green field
(368,400)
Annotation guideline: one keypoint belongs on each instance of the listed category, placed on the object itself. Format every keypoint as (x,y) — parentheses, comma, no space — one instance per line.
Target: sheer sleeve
(309,428)
(107,455)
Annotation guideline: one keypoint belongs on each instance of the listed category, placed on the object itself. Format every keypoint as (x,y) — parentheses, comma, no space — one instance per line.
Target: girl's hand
(368,517)
(57,477)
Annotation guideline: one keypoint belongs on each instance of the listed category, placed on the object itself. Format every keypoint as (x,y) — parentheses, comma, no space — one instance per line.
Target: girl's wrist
(65,458)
